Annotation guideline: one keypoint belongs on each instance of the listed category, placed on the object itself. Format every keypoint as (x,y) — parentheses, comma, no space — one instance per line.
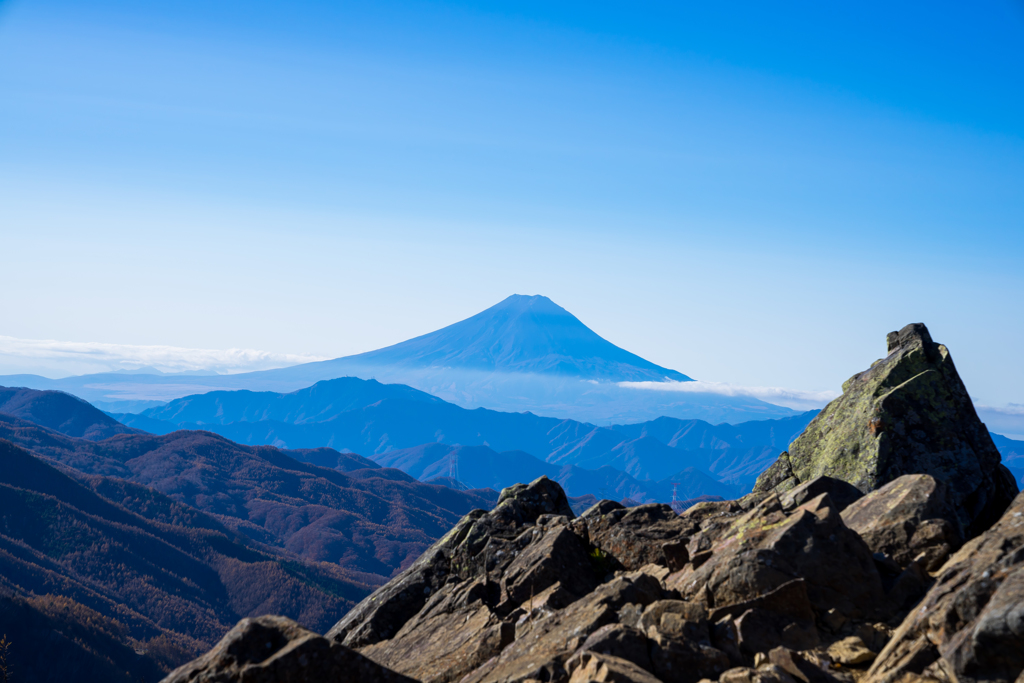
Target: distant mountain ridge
(480,467)
(319,402)
(358,422)
(61,412)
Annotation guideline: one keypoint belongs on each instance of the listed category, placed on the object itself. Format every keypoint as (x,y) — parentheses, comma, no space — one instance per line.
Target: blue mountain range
(401,427)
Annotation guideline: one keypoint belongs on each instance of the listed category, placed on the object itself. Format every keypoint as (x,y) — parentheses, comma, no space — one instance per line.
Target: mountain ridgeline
(60,412)
(376,420)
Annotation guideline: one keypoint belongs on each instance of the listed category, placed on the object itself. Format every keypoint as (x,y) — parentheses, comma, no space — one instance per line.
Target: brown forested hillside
(369,521)
(170,584)
(137,552)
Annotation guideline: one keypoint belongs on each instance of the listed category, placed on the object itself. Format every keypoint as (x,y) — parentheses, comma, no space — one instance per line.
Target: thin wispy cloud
(27,355)
(790,398)
(1007,420)
(1010,409)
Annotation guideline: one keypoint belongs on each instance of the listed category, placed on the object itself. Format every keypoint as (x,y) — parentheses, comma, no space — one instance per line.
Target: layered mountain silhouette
(346,515)
(322,401)
(375,419)
(482,467)
(524,354)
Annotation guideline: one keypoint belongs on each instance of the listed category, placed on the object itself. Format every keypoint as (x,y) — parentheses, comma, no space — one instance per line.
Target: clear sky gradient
(747,192)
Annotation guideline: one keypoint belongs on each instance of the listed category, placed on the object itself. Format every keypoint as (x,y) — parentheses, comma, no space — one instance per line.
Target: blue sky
(746,193)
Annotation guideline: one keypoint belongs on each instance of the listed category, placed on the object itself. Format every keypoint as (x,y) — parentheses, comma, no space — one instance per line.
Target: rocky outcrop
(970,625)
(811,579)
(277,650)
(481,549)
(765,589)
(907,414)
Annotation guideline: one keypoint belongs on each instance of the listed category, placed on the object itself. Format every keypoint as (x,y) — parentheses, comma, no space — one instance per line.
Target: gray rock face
(786,593)
(592,667)
(380,616)
(907,414)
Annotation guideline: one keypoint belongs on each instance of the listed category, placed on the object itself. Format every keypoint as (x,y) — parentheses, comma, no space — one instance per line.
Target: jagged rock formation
(766,588)
(811,579)
(907,414)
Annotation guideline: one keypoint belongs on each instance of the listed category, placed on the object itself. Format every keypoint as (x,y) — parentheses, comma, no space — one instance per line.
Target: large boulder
(637,536)
(453,634)
(970,626)
(467,622)
(907,520)
(770,546)
(907,414)
(277,650)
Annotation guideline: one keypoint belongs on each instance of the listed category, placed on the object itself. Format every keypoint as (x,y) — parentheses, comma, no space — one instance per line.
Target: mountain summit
(522,334)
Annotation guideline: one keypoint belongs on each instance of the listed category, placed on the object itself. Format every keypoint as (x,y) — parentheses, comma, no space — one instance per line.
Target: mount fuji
(520,335)
(524,354)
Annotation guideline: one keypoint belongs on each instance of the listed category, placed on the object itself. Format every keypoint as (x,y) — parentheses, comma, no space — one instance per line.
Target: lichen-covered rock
(706,523)
(907,520)
(277,650)
(970,625)
(908,414)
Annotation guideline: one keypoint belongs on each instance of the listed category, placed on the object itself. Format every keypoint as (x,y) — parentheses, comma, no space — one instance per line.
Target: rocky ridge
(881,571)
